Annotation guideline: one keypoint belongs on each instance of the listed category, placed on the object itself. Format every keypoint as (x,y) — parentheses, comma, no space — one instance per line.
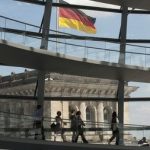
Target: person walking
(59,126)
(80,124)
(38,122)
(73,124)
(114,128)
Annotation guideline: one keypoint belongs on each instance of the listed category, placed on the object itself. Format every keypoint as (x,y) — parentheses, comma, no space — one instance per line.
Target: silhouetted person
(80,125)
(114,128)
(143,142)
(73,124)
(38,122)
(59,125)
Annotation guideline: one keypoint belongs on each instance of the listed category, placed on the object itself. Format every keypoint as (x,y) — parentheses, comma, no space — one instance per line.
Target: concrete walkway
(29,144)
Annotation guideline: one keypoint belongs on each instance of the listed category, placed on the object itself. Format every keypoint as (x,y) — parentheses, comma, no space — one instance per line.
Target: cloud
(141,107)
(22,4)
(139,113)
(142,91)
(145,109)
(97,4)
(19,3)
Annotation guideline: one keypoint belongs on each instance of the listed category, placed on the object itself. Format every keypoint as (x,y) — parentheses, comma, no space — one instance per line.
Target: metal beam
(123,32)
(139,4)
(38,2)
(71,98)
(94,8)
(44,45)
(75,37)
(41,2)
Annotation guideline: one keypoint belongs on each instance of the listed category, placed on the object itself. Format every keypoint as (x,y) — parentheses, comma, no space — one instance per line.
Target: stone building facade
(24,84)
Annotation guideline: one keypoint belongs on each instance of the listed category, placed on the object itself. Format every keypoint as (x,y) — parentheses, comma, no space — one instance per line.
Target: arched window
(106,115)
(90,117)
(88,114)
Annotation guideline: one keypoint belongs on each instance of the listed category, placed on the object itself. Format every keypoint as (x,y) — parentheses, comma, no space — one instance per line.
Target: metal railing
(28,34)
(21,126)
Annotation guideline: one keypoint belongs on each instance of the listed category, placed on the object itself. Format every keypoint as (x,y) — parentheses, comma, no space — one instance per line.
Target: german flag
(76,19)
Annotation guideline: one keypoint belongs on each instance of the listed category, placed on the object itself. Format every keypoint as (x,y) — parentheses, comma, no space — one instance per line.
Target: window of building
(90,117)
(88,114)
(106,115)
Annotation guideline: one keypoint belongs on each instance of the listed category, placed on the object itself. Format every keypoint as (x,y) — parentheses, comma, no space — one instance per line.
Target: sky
(107,25)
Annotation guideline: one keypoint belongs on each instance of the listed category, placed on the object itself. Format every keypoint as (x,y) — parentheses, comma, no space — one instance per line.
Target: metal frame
(44,43)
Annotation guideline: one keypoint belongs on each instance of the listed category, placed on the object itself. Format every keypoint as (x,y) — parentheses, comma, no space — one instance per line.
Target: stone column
(126,113)
(55,106)
(65,113)
(100,113)
(96,117)
(83,110)
(7,114)
(11,111)
(100,118)
(65,110)
(26,112)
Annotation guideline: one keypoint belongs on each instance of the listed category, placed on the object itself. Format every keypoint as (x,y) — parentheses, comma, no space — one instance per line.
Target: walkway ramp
(29,144)
(29,57)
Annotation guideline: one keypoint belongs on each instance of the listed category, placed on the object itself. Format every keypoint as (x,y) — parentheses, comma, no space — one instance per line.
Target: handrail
(28,33)
(11,30)
(86,52)
(51,119)
(91,129)
(7,18)
(117,42)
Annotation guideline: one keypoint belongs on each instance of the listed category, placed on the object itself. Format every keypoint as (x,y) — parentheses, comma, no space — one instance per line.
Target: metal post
(123,32)
(44,45)
(121,110)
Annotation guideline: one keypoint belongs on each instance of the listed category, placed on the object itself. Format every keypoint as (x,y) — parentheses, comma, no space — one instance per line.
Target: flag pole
(57,27)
